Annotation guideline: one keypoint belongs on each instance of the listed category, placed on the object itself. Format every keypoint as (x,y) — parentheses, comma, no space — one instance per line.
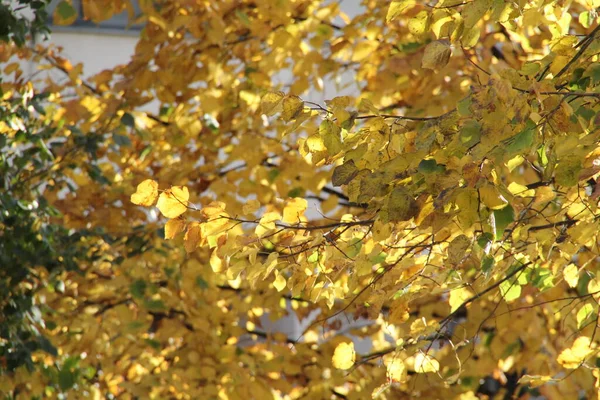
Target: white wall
(96,49)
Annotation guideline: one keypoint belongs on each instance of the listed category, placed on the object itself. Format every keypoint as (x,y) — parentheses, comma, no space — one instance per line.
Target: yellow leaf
(425,363)
(173,202)
(315,143)
(396,370)
(292,106)
(216,263)
(457,249)
(470,37)
(280,282)
(573,357)
(213,210)
(294,210)
(571,275)
(331,135)
(344,356)
(536,380)
(419,24)
(436,55)
(458,297)
(267,223)
(594,287)
(342,174)
(271,102)
(146,193)
(401,205)
(173,227)
(251,207)
(474,11)
(364,50)
(491,197)
(397,8)
(192,237)
(520,190)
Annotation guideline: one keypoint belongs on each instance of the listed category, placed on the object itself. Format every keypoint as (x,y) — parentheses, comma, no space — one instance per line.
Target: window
(119,22)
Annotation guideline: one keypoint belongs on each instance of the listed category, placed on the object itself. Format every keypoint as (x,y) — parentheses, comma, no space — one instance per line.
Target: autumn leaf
(173,202)
(64,13)
(173,227)
(294,210)
(425,363)
(396,8)
(396,370)
(458,297)
(192,237)
(536,380)
(251,207)
(457,249)
(573,357)
(280,282)
(401,205)
(571,275)
(146,193)
(271,102)
(437,54)
(344,173)
(460,182)
(583,314)
(292,106)
(344,356)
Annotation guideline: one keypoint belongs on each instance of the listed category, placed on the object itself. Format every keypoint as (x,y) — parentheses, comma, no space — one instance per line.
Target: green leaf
(487,263)
(520,143)
(65,10)
(66,379)
(64,14)
(586,19)
(430,166)
(138,288)
(201,283)
(273,174)
(510,290)
(542,278)
(128,120)
(485,239)
(154,305)
(314,257)
(296,192)
(464,106)
(155,344)
(502,219)
(583,314)
(470,133)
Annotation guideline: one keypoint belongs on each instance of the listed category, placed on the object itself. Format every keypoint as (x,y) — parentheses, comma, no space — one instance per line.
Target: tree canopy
(158,218)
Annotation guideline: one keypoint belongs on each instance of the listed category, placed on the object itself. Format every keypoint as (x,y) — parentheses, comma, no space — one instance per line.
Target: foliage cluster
(447,204)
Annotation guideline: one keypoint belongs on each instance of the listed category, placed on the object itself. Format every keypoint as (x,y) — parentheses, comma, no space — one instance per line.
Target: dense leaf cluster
(299,201)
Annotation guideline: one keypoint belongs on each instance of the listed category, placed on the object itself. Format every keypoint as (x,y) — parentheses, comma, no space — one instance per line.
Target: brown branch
(367,222)
(554,225)
(583,45)
(448,318)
